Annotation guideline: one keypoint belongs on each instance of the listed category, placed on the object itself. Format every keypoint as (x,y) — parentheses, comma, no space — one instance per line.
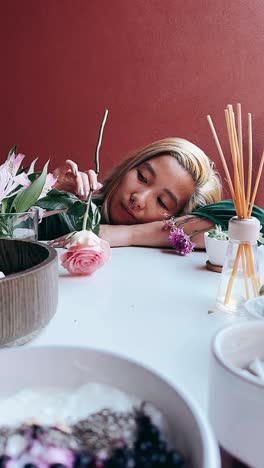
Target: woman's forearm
(153,234)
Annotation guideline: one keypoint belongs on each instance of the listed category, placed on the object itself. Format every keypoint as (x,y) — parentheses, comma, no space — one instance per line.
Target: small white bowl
(70,366)
(216,249)
(236,399)
(255,308)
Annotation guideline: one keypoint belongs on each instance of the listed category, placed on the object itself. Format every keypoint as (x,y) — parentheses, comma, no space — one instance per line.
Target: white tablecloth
(147,304)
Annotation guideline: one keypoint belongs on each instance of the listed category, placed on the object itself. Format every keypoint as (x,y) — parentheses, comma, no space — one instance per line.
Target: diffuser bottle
(240,277)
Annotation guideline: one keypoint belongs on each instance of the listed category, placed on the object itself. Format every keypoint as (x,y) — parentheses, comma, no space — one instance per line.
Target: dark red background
(160,66)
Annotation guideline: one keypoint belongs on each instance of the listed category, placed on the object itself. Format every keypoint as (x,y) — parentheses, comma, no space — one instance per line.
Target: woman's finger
(58,243)
(61,240)
(86,184)
(79,185)
(92,179)
(72,166)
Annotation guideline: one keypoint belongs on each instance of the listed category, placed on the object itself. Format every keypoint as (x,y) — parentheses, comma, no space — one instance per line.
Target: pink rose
(86,253)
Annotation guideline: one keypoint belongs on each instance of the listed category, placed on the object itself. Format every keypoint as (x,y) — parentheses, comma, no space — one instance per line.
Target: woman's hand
(117,236)
(70,179)
(61,242)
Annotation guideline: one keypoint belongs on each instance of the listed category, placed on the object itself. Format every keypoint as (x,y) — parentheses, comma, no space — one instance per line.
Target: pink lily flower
(9,181)
(50,181)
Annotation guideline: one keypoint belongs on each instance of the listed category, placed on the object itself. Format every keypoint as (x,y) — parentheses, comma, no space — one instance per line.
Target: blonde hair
(208,187)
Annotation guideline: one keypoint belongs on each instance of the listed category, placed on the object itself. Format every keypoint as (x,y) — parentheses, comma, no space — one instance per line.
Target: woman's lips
(130,214)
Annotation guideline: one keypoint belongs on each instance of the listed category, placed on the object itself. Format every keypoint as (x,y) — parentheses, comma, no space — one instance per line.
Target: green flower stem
(198,231)
(97,167)
(88,202)
(99,141)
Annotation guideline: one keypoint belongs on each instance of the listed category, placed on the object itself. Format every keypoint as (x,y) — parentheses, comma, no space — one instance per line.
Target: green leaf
(58,200)
(94,218)
(77,209)
(6,205)
(34,176)
(13,150)
(261,239)
(28,197)
(221,212)
(32,166)
(62,223)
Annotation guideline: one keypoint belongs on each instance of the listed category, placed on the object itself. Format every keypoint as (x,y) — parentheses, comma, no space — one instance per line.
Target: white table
(146,304)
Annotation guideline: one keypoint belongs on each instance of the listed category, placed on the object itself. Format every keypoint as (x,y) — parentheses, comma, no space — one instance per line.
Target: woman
(170,177)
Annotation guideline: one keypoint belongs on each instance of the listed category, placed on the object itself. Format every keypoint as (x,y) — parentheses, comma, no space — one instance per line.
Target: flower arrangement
(20,189)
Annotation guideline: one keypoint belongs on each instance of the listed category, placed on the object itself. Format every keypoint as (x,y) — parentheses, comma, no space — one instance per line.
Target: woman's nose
(139,199)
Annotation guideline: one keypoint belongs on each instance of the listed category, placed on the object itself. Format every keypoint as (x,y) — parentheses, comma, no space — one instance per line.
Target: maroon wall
(158,65)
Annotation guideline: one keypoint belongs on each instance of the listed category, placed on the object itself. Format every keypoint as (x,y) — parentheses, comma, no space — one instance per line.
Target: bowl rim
(210,445)
(52,255)
(253,380)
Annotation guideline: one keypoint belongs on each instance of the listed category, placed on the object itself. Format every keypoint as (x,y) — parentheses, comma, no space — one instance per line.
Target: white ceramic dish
(66,366)
(236,399)
(255,308)
(215,249)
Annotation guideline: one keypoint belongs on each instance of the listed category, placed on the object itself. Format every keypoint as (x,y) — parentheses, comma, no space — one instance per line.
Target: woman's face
(150,191)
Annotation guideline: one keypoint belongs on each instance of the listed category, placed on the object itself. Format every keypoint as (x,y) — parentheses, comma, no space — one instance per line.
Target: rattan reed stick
(236,199)
(252,201)
(240,142)
(233,275)
(221,154)
(244,267)
(250,154)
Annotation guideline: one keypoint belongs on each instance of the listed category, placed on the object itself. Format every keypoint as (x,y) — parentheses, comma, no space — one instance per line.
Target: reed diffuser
(240,278)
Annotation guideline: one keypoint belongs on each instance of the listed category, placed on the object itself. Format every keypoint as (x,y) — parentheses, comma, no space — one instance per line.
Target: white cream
(53,405)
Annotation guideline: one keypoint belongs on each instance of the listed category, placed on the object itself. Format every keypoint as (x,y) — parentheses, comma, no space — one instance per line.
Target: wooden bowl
(29,292)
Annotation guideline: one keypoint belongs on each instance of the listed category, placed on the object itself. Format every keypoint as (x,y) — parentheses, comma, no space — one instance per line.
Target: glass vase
(240,278)
(20,225)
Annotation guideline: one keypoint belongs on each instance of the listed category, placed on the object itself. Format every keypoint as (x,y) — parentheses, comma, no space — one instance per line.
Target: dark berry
(3,460)
(57,465)
(144,446)
(161,446)
(131,463)
(143,420)
(150,447)
(175,459)
(162,459)
(30,465)
(121,458)
(154,433)
(36,430)
(83,460)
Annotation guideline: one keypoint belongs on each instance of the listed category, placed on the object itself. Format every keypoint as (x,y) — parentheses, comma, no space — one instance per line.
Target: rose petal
(85,261)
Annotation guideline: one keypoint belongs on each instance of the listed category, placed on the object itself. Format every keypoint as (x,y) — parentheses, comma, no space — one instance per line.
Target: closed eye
(162,204)
(141,177)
